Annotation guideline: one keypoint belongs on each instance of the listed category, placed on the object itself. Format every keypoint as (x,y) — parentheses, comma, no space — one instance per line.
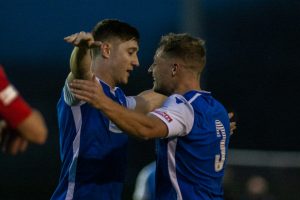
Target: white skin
(123,59)
(163,72)
(160,74)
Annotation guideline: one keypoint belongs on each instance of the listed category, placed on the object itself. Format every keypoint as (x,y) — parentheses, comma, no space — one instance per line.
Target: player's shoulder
(195,94)
(176,99)
(178,103)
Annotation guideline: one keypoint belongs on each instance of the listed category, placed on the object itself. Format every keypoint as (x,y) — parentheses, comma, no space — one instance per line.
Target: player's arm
(134,123)
(148,100)
(18,114)
(80,60)
(10,140)
(33,128)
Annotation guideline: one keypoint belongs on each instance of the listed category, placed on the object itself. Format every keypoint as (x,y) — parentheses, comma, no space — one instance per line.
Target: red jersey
(13,108)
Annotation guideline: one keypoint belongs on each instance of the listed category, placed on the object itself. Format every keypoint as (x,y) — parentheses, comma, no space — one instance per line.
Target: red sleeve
(13,108)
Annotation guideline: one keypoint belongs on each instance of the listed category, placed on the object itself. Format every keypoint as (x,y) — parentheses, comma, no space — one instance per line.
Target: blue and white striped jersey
(191,160)
(92,149)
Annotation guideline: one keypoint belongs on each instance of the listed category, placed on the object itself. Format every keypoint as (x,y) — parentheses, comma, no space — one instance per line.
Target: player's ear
(174,69)
(105,50)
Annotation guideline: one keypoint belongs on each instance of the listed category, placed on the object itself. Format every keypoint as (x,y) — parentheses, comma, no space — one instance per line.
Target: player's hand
(83,40)
(11,142)
(232,123)
(88,90)
(148,100)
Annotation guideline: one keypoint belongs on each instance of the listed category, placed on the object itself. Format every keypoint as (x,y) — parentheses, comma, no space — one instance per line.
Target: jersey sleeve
(178,114)
(69,98)
(13,108)
(130,102)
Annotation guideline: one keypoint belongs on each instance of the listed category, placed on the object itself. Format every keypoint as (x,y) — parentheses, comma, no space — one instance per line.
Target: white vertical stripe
(171,159)
(172,166)
(70,191)
(194,97)
(76,143)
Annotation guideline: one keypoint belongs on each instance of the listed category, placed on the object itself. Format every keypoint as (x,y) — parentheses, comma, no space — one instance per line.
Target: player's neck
(187,84)
(105,76)
(103,73)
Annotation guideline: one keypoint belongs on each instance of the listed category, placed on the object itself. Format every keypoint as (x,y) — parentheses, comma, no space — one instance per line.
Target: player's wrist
(102,103)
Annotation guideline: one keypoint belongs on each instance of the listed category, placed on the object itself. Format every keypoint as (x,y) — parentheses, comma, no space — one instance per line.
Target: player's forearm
(131,122)
(33,128)
(80,63)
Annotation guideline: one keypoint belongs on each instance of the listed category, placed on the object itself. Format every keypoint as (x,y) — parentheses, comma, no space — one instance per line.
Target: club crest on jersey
(164,115)
(178,101)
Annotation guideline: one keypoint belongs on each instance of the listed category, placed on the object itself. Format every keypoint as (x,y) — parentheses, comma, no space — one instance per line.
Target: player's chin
(125,80)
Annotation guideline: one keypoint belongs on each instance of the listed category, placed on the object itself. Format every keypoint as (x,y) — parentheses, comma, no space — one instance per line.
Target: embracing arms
(135,123)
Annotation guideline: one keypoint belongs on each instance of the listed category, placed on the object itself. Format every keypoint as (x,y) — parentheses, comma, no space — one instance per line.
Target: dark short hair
(112,28)
(185,47)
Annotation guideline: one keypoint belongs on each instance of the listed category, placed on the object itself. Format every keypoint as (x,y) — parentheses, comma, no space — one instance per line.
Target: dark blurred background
(252,68)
